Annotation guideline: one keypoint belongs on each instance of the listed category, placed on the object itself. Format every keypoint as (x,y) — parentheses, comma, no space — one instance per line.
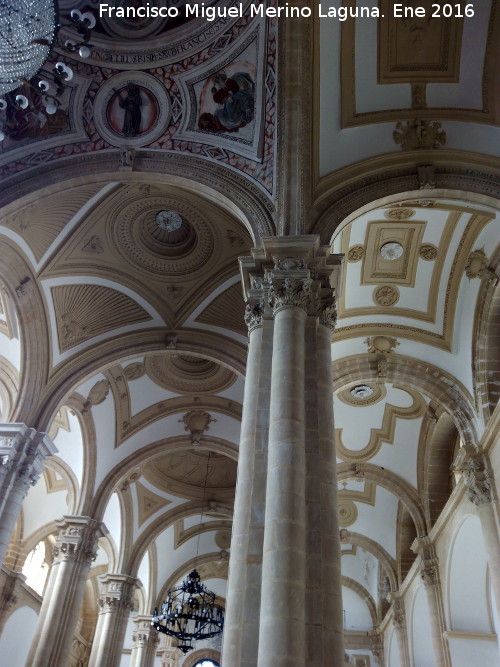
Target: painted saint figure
(132,103)
(236,97)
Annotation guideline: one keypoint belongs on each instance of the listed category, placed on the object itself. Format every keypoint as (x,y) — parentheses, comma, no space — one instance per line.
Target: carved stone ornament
(476,264)
(291,292)
(197,422)
(428,252)
(97,395)
(24,286)
(94,245)
(429,575)
(355,253)
(399,213)
(398,612)
(134,371)
(386,295)
(477,477)
(328,316)
(254,314)
(77,539)
(426,177)
(381,344)
(418,134)
(289,263)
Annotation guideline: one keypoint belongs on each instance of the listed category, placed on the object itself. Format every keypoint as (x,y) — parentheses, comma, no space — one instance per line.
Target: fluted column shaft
(75,549)
(241,629)
(22,453)
(115,604)
(282,617)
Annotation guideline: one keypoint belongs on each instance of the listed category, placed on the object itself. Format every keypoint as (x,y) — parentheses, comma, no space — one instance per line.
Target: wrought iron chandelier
(28,30)
(189,613)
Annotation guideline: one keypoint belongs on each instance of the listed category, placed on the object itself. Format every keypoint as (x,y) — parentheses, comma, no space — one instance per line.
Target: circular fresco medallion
(131,109)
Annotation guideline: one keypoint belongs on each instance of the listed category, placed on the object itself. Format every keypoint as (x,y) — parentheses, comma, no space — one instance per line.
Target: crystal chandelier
(189,613)
(28,31)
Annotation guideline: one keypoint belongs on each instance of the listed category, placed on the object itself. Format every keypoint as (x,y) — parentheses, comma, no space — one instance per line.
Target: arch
(486,350)
(238,194)
(435,457)
(198,343)
(376,549)
(59,466)
(202,654)
(21,623)
(363,594)
(436,383)
(163,522)
(9,388)
(151,451)
(391,178)
(16,274)
(395,485)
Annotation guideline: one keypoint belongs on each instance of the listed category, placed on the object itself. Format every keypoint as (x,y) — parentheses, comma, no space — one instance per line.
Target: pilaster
(429,571)
(399,622)
(478,477)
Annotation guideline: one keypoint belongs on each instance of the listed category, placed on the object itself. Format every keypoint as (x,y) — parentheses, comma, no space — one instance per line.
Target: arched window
(206,663)
(36,569)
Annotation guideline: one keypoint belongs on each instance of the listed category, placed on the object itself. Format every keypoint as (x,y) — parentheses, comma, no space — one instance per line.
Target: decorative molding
(384,434)
(85,311)
(149,503)
(197,422)
(386,295)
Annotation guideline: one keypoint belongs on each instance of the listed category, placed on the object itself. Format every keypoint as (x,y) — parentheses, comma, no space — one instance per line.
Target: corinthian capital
(254,314)
(77,539)
(291,292)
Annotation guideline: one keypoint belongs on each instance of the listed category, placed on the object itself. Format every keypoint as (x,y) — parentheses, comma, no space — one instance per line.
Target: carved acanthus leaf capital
(254,314)
(77,539)
(290,292)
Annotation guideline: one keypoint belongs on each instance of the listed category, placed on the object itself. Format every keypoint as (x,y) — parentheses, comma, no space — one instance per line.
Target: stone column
(283,615)
(140,656)
(430,576)
(287,286)
(75,550)
(114,604)
(399,622)
(241,625)
(22,453)
(479,479)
